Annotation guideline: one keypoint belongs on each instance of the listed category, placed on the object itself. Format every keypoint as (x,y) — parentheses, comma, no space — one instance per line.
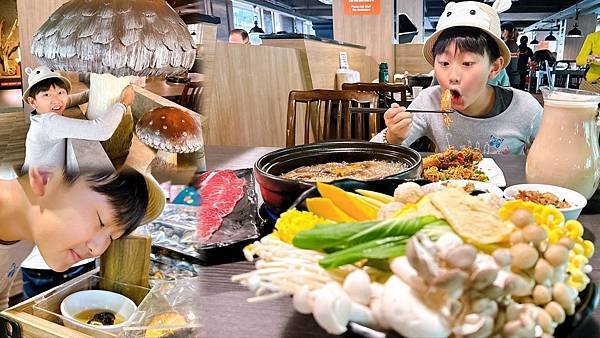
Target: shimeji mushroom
(171,131)
(113,40)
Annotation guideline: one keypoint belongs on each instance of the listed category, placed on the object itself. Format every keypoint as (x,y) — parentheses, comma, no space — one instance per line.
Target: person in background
(509,35)
(466,51)
(541,56)
(590,55)
(525,57)
(239,36)
(70,216)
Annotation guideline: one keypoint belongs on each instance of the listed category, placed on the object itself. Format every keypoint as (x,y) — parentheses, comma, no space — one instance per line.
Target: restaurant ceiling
(523,13)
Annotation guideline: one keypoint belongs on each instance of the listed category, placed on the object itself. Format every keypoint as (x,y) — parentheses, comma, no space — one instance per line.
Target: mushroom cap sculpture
(113,39)
(133,37)
(171,131)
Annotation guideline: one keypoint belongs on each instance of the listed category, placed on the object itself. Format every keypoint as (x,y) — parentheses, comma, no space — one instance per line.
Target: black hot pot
(279,193)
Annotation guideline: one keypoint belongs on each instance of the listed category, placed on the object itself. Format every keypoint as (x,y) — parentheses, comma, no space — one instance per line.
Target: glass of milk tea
(565,150)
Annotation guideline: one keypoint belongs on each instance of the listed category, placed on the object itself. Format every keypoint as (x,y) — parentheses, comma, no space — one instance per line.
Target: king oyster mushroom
(408,315)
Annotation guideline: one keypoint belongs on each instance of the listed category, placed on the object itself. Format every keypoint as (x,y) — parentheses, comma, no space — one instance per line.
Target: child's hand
(398,122)
(127,96)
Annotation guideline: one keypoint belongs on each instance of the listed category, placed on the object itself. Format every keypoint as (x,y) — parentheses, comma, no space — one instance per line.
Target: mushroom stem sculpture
(112,40)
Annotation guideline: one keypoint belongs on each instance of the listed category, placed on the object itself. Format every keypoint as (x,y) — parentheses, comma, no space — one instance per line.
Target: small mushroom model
(112,40)
(171,131)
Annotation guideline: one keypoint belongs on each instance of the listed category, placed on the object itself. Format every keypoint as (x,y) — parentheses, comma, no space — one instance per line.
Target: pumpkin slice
(354,207)
(325,208)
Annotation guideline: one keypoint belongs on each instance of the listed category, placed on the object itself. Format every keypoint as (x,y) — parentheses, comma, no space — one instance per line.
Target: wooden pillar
(32,14)
(374,31)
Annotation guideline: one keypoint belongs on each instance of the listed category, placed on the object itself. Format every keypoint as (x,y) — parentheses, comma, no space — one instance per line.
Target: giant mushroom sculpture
(114,39)
(171,131)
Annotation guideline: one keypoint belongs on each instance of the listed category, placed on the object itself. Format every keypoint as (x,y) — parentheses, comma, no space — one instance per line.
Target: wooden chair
(327,115)
(384,90)
(190,96)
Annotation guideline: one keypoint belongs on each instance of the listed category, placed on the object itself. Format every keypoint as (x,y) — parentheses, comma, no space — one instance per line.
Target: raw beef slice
(219,192)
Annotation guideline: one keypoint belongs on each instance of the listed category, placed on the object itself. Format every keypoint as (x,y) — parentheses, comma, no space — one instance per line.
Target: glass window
(243,18)
(284,23)
(299,26)
(267,21)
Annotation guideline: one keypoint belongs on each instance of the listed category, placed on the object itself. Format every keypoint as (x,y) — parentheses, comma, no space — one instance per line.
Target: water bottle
(383,73)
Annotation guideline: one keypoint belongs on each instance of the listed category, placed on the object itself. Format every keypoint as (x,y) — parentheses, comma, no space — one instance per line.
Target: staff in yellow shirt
(590,54)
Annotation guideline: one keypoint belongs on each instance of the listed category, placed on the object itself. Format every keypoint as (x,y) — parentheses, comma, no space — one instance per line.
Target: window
(284,23)
(267,24)
(299,26)
(243,18)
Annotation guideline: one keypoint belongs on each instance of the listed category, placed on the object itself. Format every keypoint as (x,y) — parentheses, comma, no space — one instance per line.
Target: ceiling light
(575,32)
(550,37)
(534,41)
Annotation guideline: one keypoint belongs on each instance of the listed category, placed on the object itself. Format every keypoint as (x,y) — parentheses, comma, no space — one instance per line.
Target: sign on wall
(362,7)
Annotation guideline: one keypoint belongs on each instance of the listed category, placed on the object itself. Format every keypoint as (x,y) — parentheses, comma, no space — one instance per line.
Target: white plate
(492,171)
(482,186)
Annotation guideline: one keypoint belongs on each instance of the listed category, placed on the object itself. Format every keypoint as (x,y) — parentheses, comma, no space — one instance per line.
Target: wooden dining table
(222,304)
(170,90)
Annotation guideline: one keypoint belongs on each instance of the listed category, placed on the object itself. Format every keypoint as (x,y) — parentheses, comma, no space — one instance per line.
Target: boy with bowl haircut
(466,51)
(45,145)
(70,217)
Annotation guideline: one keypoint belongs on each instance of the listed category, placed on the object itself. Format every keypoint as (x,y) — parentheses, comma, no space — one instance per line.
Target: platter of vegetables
(392,256)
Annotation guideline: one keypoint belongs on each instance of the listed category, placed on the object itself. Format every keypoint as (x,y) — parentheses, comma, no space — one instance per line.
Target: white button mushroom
(406,313)
(332,308)
(358,286)
(303,300)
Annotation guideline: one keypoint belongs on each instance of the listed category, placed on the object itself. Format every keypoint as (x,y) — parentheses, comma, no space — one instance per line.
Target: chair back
(326,115)
(190,97)
(384,90)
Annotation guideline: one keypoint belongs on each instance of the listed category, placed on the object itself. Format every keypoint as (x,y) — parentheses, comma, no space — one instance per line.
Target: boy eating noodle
(466,51)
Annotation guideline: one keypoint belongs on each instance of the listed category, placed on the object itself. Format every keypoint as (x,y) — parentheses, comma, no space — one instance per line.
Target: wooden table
(223,307)
(169,90)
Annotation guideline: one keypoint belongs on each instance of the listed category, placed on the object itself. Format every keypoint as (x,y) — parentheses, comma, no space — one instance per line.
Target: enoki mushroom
(283,269)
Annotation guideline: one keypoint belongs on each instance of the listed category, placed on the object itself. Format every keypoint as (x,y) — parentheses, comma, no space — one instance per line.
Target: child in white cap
(466,51)
(45,145)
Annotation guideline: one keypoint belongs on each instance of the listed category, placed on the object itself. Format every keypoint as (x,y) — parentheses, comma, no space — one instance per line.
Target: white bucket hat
(40,74)
(468,14)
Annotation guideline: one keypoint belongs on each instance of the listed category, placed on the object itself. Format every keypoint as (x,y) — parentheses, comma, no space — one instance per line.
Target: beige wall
(320,60)
(246,99)
(372,31)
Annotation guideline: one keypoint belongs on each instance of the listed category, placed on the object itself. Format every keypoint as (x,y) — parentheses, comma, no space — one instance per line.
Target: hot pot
(279,193)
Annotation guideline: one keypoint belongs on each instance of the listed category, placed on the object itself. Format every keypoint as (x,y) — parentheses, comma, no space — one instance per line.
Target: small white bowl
(575,199)
(97,299)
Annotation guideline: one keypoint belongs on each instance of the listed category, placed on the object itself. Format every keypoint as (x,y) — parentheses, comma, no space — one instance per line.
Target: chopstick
(383,110)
